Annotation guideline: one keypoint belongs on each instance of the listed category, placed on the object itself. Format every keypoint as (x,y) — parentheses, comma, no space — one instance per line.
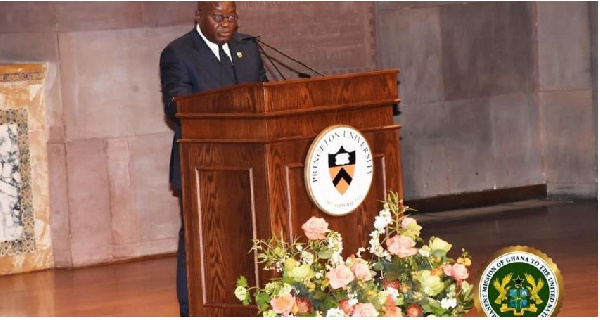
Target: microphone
(300,74)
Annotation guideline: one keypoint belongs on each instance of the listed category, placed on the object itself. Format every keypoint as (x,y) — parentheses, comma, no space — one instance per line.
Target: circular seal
(520,281)
(338,170)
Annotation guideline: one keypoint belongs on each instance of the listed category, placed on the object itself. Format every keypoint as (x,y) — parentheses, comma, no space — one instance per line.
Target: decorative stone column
(25,242)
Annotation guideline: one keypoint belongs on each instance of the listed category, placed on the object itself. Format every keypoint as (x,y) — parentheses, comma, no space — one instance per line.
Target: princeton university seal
(338,170)
(520,282)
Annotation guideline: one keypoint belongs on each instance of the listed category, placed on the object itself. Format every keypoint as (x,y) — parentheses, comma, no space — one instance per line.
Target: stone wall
(495,95)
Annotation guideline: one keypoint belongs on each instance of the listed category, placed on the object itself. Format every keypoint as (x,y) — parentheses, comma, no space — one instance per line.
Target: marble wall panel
(124,216)
(593,18)
(468,145)
(104,15)
(516,145)
(422,126)
(59,205)
(413,44)
(89,202)
(156,206)
(333,37)
(564,46)
(111,86)
(487,49)
(27,16)
(447,148)
(569,145)
(415,4)
(169,13)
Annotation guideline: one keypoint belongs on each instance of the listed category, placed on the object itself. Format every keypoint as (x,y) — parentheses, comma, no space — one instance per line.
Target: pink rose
(361,271)
(364,310)
(456,271)
(406,222)
(284,304)
(315,228)
(340,277)
(402,246)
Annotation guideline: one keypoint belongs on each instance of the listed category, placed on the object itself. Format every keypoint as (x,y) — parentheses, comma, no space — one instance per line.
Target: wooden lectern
(242,158)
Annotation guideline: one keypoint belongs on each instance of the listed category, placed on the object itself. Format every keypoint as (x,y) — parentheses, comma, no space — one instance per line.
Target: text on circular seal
(520,281)
(338,170)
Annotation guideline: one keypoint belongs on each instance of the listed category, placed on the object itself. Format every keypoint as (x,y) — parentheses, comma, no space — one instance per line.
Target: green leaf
(325,254)
(241,281)
(378,266)
(262,298)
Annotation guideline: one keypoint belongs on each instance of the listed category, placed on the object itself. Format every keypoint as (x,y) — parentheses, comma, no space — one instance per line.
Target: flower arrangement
(396,277)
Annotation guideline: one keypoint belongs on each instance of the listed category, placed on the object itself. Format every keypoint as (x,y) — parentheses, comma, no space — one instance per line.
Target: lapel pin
(239,54)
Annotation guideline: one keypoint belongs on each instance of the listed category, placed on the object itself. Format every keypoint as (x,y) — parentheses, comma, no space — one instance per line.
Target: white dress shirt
(213,46)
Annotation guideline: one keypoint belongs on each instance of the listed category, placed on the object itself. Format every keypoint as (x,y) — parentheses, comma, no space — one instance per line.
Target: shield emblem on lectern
(341,169)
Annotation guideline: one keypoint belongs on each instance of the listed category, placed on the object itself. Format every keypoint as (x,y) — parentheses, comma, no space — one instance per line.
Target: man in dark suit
(211,56)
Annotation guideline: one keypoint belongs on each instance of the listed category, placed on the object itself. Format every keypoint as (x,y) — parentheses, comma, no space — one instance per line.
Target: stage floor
(565,231)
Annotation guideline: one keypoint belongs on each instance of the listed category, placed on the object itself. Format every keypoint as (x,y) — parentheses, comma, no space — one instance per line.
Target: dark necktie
(228,76)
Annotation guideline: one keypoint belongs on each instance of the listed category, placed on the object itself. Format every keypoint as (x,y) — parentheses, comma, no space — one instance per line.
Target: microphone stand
(287,56)
(269,58)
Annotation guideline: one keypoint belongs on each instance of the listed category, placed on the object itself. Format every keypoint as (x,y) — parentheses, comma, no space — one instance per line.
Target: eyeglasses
(220,18)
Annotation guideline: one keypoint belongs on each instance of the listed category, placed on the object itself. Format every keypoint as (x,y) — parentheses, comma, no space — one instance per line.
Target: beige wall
(477,111)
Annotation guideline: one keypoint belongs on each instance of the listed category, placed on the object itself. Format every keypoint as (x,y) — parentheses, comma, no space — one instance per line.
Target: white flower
(240,293)
(448,303)
(307,257)
(465,287)
(270,287)
(335,312)
(286,289)
(352,302)
(352,298)
(359,251)
(424,251)
(334,242)
(380,223)
(374,235)
(299,247)
(451,291)
(394,292)
(318,275)
(336,259)
(386,214)
(269,313)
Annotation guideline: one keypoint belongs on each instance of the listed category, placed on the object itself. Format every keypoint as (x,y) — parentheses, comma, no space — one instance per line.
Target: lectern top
(294,95)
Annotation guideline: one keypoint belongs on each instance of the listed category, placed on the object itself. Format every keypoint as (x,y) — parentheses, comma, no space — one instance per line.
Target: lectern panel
(226,224)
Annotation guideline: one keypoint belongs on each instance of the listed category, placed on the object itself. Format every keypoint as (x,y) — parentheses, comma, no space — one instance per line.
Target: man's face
(217,32)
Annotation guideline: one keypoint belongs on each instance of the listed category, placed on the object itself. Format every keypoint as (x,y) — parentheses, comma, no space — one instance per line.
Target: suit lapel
(239,58)
(207,64)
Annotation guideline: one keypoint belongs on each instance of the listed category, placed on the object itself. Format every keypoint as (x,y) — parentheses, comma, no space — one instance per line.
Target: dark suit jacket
(187,65)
